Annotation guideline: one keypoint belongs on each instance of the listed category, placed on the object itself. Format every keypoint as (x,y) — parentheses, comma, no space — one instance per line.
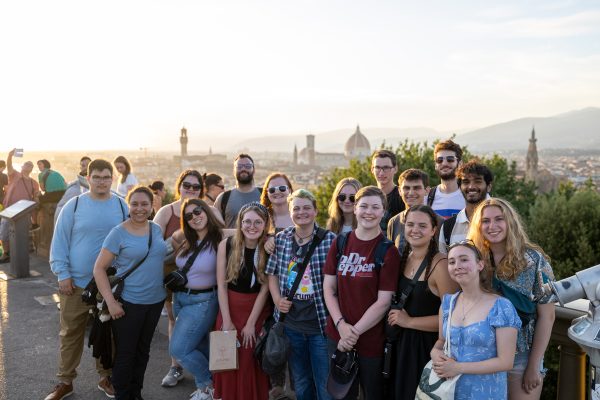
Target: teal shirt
(54,181)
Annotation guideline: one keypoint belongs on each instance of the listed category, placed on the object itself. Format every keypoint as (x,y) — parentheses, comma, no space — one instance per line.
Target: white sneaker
(203,394)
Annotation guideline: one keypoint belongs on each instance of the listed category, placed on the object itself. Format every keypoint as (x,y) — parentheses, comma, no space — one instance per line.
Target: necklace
(301,240)
(464,313)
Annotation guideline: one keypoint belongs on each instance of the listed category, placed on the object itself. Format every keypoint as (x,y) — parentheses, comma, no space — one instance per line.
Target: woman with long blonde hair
(518,268)
(341,206)
(243,292)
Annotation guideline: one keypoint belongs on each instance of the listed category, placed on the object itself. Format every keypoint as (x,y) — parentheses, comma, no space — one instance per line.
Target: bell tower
(531,161)
(183,140)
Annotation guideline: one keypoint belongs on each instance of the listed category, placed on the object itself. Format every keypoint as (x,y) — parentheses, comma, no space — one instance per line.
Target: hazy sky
(125,74)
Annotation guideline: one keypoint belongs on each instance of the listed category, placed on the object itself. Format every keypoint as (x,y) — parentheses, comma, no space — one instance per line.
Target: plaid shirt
(280,259)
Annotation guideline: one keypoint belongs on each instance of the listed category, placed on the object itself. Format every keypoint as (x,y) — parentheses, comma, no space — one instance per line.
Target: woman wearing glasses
(519,269)
(195,306)
(274,196)
(341,206)
(483,330)
(418,319)
(243,293)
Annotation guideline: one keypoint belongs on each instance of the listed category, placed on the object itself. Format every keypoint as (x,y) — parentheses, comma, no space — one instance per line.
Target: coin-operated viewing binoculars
(585,330)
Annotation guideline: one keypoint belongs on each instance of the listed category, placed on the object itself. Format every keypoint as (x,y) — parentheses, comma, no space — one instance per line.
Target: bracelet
(338,322)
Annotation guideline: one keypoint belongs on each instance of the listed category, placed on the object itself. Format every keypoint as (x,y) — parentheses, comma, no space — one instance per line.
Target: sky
(129,74)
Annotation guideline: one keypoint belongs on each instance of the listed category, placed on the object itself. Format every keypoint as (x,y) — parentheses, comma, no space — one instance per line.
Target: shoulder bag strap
(126,274)
(447,349)
(190,261)
(408,290)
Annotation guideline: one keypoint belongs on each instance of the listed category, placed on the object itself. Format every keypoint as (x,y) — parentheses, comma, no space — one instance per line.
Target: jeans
(132,335)
(369,378)
(309,363)
(195,316)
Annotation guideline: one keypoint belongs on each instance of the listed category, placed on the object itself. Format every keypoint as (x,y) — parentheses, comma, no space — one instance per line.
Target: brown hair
(414,174)
(123,160)
(264,196)
(99,165)
(184,175)
(371,191)
(215,229)
(335,222)
(140,189)
(448,145)
(383,153)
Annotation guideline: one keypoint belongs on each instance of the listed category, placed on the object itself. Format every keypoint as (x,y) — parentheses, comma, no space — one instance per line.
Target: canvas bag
(223,355)
(432,386)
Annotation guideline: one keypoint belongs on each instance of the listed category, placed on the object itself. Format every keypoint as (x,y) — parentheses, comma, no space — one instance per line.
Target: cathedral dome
(357,145)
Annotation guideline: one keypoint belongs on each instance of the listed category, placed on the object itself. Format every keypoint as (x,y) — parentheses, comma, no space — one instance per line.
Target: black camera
(175,281)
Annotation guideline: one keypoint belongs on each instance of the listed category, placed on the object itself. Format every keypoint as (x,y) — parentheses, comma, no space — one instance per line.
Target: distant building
(209,161)
(357,147)
(183,141)
(544,180)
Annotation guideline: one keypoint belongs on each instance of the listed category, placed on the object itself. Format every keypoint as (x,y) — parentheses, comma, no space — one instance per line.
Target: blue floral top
(529,282)
(477,342)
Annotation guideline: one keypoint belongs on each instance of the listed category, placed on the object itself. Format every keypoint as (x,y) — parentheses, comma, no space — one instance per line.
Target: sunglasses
(450,159)
(468,243)
(196,212)
(222,187)
(188,186)
(342,197)
(281,188)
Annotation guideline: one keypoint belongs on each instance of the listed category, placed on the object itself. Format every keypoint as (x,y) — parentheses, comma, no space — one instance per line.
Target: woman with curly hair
(341,206)
(519,268)
(243,293)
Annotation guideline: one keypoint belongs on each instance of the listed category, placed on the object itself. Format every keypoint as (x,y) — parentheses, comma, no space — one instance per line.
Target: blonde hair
(302,194)
(336,216)
(236,257)
(516,243)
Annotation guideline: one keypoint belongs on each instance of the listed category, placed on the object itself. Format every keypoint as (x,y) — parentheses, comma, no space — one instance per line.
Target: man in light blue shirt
(83,224)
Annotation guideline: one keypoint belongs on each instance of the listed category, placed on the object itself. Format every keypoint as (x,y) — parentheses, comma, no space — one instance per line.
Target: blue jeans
(195,316)
(309,363)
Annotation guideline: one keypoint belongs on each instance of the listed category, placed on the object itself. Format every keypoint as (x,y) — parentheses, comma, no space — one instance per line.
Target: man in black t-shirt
(384,167)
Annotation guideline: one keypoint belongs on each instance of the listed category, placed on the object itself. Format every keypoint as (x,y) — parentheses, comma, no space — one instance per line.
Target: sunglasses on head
(449,159)
(468,243)
(342,197)
(195,212)
(193,186)
(281,188)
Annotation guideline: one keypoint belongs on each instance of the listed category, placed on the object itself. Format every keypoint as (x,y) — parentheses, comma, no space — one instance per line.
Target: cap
(342,373)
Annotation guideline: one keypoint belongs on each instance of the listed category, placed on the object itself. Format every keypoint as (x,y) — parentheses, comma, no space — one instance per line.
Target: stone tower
(295,155)
(310,149)
(531,161)
(183,140)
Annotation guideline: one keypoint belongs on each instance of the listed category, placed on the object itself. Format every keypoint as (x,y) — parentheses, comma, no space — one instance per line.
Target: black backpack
(431,196)
(380,251)
(447,227)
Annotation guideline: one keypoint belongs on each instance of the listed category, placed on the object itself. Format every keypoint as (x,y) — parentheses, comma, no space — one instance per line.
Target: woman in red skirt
(243,293)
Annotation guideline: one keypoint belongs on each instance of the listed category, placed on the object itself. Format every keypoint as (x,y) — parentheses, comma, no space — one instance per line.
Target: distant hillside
(575,130)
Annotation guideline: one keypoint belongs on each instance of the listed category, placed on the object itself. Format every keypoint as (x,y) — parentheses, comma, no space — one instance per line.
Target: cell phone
(18,153)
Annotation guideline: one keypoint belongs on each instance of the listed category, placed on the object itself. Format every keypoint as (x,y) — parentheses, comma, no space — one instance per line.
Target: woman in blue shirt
(483,330)
(136,314)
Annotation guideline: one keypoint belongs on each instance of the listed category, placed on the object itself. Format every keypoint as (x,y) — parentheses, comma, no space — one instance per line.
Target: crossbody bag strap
(408,289)
(447,348)
(190,261)
(130,271)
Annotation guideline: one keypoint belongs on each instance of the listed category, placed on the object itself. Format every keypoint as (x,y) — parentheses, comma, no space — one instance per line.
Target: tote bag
(223,351)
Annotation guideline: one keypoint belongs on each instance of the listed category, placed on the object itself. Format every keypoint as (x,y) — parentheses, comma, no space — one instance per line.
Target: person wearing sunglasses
(274,196)
(214,187)
(230,202)
(243,294)
(189,185)
(446,198)
(483,330)
(384,166)
(341,206)
(136,314)
(519,270)
(195,306)
(415,323)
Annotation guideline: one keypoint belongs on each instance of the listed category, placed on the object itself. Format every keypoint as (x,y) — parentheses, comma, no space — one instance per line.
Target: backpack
(380,250)
(225,199)
(447,227)
(431,196)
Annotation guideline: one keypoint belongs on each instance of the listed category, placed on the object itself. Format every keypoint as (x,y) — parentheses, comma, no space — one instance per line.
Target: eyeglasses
(386,168)
(257,223)
(281,188)
(195,212)
(449,159)
(104,178)
(245,166)
(342,197)
(193,186)
(466,243)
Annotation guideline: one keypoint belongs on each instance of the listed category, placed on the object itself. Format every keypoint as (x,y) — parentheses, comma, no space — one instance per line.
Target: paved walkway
(29,324)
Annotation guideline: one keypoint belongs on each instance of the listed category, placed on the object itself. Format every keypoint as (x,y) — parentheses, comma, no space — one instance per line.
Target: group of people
(396,267)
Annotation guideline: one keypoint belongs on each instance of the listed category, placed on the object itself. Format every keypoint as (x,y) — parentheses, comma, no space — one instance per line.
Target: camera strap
(401,299)
(192,258)
(130,271)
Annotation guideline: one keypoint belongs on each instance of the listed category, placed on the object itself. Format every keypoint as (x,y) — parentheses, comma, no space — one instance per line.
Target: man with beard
(475,182)
(446,198)
(231,201)
(79,186)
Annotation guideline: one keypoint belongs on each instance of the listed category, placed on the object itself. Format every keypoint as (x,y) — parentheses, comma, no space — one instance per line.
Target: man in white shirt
(446,198)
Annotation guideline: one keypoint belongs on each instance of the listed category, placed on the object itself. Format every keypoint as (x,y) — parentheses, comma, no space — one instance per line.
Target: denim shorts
(520,364)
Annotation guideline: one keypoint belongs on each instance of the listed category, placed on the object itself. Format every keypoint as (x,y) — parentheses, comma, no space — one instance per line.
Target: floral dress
(477,342)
